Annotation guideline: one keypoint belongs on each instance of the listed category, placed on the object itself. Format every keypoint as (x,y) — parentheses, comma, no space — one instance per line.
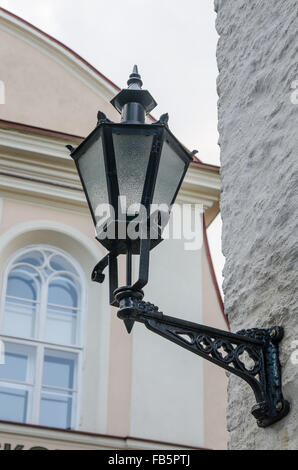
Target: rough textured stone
(258,127)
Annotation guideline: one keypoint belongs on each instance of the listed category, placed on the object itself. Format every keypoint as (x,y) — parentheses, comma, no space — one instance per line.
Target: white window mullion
(17,379)
(40,353)
(3,299)
(30,342)
(78,401)
(38,384)
(30,379)
(43,310)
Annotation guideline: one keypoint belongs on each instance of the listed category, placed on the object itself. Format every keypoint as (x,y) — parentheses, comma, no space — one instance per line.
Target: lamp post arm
(251,354)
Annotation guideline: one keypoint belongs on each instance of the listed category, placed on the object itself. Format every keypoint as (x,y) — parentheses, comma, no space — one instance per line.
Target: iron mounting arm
(225,349)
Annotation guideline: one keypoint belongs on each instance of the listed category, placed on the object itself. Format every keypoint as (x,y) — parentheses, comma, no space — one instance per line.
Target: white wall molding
(47,170)
(29,436)
(48,146)
(68,230)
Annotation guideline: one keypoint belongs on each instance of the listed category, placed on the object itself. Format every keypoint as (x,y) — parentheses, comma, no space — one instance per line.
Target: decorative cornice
(12,140)
(29,129)
(60,437)
(39,164)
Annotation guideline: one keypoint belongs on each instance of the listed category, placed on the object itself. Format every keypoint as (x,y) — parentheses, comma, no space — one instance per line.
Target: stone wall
(258,127)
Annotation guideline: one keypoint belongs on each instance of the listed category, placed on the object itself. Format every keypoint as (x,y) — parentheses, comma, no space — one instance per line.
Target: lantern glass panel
(170,172)
(132,153)
(93,174)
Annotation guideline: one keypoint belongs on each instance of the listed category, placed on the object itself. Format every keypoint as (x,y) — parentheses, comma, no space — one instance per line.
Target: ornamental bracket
(251,354)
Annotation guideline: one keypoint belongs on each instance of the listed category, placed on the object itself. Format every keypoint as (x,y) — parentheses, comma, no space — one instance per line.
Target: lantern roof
(134,94)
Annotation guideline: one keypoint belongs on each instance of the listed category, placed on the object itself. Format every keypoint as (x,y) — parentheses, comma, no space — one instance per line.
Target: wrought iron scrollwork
(250,354)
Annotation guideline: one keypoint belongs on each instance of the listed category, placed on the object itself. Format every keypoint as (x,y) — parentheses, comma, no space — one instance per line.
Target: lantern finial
(134,82)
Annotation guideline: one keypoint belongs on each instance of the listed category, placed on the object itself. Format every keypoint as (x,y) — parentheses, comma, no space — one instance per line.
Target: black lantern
(146,164)
(143,163)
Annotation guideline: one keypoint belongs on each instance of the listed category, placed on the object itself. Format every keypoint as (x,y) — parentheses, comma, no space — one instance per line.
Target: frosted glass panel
(13,404)
(132,154)
(92,168)
(55,409)
(170,171)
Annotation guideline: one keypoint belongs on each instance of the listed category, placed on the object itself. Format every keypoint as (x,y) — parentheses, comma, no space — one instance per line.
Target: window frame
(28,383)
(36,302)
(39,343)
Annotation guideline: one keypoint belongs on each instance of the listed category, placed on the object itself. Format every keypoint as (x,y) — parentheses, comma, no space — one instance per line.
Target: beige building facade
(71,377)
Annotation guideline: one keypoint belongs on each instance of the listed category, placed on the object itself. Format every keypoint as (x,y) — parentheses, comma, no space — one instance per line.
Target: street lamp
(131,173)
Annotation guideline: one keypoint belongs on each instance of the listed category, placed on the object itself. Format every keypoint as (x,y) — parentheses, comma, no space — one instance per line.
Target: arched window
(43,297)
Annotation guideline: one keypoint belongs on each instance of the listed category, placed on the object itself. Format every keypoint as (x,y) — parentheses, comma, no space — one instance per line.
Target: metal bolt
(279,406)
(272,333)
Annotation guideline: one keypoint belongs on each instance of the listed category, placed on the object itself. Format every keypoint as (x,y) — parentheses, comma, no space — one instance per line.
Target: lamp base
(127,297)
